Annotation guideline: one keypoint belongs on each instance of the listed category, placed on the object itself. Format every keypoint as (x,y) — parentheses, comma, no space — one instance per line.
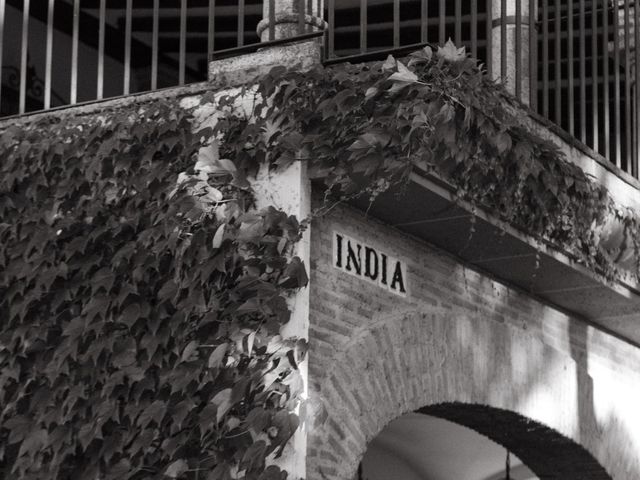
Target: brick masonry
(560,393)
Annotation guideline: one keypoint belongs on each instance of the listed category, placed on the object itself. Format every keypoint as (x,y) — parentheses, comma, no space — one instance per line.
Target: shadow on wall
(422,359)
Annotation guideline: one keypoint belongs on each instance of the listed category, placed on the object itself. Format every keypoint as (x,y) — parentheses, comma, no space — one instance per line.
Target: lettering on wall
(369,263)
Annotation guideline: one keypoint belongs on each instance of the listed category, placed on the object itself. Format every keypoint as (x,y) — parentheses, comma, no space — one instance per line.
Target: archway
(417,446)
(482,374)
(469,442)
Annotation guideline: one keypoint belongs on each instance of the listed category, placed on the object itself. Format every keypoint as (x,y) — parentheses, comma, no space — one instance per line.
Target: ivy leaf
(421,56)
(217,356)
(222,400)
(176,469)
(389,64)
(254,457)
(219,235)
(207,159)
(154,412)
(294,275)
(272,472)
(450,53)
(19,426)
(189,351)
(271,128)
(403,75)
(125,353)
(130,314)
(371,92)
(34,442)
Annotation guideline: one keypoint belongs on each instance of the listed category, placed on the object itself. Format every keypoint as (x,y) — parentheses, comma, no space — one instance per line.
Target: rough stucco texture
(458,336)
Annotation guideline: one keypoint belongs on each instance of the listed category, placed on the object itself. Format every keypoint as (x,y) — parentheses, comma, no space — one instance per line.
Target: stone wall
(458,337)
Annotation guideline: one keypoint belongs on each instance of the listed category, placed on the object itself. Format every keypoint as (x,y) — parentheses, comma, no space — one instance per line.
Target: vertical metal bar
(241,22)
(424,20)
(636,160)
(605,68)
(489,34)
(570,66)
(616,87)
(474,28)
(272,20)
(518,49)
(627,86)
(583,73)
(558,65)
(441,15)
(594,73)
(310,12)
(533,57)
(300,17)
(545,58)
(632,155)
(101,28)
(458,23)
(363,26)
(154,45)
(23,57)
(2,9)
(211,28)
(332,31)
(73,97)
(127,47)
(503,41)
(48,57)
(182,55)
(396,23)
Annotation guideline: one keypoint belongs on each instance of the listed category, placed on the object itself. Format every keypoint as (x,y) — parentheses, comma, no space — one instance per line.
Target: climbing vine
(142,293)
(142,296)
(363,128)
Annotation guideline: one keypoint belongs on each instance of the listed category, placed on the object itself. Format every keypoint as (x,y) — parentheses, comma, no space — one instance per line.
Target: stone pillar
(290,191)
(623,29)
(511,46)
(287,18)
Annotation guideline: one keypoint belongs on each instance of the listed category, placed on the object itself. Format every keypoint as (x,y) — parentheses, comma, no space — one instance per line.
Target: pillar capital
(286,18)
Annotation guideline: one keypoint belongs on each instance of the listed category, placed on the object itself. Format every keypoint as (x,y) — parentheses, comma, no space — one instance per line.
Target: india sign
(369,263)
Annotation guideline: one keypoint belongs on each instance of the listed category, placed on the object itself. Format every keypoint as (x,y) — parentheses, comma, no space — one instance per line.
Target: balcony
(576,69)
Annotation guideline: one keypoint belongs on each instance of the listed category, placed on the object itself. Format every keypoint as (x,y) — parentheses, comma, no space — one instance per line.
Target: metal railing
(573,61)
(62,52)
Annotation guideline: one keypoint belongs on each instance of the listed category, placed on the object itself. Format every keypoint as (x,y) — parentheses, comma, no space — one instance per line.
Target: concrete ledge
(98,106)
(245,69)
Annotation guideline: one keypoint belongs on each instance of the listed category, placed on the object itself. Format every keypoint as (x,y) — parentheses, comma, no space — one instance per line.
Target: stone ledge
(244,69)
(98,106)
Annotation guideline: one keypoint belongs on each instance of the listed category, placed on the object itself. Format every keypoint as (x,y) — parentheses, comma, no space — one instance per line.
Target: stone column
(286,17)
(623,29)
(511,56)
(290,191)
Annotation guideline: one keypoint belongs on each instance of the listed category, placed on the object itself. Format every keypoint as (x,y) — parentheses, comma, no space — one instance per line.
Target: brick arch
(431,362)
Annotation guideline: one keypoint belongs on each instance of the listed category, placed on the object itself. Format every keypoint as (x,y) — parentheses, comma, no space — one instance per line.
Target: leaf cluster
(363,128)
(141,301)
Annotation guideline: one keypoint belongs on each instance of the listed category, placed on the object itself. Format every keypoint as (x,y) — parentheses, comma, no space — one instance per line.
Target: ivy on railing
(363,128)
